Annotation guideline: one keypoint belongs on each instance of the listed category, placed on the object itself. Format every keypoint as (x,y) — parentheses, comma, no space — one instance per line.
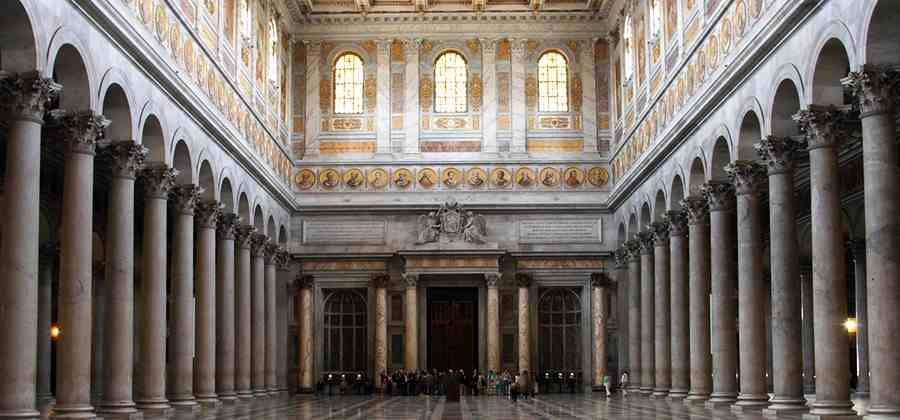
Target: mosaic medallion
(378,178)
(403,178)
(427,178)
(501,178)
(549,177)
(451,177)
(573,177)
(353,178)
(305,179)
(476,177)
(524,177)
(329,179)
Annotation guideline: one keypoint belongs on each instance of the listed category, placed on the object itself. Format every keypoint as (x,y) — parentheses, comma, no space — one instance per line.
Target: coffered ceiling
(307,8)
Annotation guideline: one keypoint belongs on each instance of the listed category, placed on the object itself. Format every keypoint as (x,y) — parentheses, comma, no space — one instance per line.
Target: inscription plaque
(344,231)
(559,231)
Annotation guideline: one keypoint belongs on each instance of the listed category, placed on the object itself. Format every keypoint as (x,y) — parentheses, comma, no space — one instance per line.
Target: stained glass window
(348,85)
(553,83)
(450,77)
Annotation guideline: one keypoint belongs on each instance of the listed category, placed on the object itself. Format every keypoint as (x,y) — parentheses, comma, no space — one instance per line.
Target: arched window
(450,79)
(345,331)
(553,83)
(273,51)
(348,84)
(656,18)
(559,335)
(628,50)
(245,25)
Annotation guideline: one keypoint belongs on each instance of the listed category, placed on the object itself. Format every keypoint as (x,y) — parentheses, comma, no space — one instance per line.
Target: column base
(260,394)
(781,409)
(879,412)
(186,407)
(677,394)
(119,410)
(228,398)
(659,393)
(208,402)
(79,411)
(134,415)
(750,404)
(831,410)
(20,414)
(811,416)
(721,400)
(646,391)
(245,395)
(696,399)
(155,407)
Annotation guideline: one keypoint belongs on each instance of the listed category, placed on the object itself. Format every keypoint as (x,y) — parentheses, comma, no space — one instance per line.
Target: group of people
(453,383)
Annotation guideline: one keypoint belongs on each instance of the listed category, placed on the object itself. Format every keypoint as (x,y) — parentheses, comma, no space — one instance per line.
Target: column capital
(313,48)
(158,179)
(411,280)
(645,242)
(381,280)
(874,87)
(305,281)
(488,46)
(492,279)
(778,153)
(127,158)
(517,47)
(258,244)
(243,235)
(82,131)
(524,279)
(660,232)
(283,260)
(620,258)
(384,45)
(678,222)
(207,213)
(27,94)
(747,176)
(270,253)
(823,126)
(719,194)
(600,279)
(633,249)
(696,208)
(411,46)
(226,225)
(185,198)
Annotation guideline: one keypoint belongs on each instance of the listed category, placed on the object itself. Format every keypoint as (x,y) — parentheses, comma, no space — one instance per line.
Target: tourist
(623,382)
(606,384)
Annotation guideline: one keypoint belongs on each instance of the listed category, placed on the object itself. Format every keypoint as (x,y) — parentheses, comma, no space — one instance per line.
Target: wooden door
(453,329)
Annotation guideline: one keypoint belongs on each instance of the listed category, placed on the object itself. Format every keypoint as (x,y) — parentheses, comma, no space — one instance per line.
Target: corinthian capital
(207,213)
(411,46)
(82,131)
(243,235)
(600,280)
(258,245)
(523,279)
(517,47)
(126,158)
(620,257)
(226,224)
(823,126)
(26,95)
(411,279)
(874,88)
(778,153)
(492,279)
(185,198)
(384,45)
(660,232)
(645,242)
(678,222)
(697,209)
(270,253)
(305,281)
(719,194)
(488,46)
(747,176)
(633,249)
(158,179)
(381,280)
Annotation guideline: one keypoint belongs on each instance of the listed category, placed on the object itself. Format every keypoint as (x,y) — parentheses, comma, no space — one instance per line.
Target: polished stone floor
(551,406)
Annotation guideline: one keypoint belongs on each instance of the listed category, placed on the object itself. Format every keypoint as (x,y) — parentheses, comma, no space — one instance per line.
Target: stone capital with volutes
(411,46)
(383,46)
(779,153)
(243,235)
(600,280)
(875,88)
(283,259)
(719,195)
(697,209)
(645,242)
(633,248)
(660,232)
(747,176)
(411,280)
(305,281)
(158,180)
(517,47)
(381,280)
(126,158)
(488,46)
(258,243)
(678,222)
(185,198)
(207,213)
(823,126)
(313,48)
(524,279)
(82,131)
(492,280)
(226,224)
(270,253)
(620,258)
(26,95)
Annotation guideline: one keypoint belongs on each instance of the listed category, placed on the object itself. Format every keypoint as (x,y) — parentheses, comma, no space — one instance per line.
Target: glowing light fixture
(851,325)
(55,332)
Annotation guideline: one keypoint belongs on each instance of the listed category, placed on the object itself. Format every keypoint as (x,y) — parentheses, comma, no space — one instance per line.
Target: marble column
(599,311)
(44,323)
(381,283)
(875,88)
(270,321)
(411,99)
(662,328)
(305,334)
(620,260)
(748,177)
(492,280)
(242,321)
(808,335)
(158,180)
(723,269)
(82,132)
(823,130)
(284,271)
(680,327)
(524,282)
(383,98)
(648,326)
(697,209)
(787,342)
(313,107)
(489,110)
(26,95)
(518,144)
(258,316)
(588,93)
(225,319)
(126,157)
(411,322)
(181,365)
(858,251)
(206,215)
(634,314)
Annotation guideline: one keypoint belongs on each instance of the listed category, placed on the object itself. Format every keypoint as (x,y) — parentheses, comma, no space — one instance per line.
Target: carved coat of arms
(453,222)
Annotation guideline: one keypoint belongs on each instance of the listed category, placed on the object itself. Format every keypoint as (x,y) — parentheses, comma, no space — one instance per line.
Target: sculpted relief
(451,223)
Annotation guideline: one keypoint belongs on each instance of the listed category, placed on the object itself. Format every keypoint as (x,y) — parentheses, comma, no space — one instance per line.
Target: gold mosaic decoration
(370,90)
(476,177)
(402,178)
(598,176)
(549,177)
(329,179)
(472,44)
(451,177)
(501,178)
(305,179)
(353,178)
(427,178)
(378,178)
(525,177)
(426,92)
(530,91)
(475,92)
(573,177)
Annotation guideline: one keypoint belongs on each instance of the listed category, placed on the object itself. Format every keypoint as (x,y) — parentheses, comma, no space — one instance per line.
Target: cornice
(483,208)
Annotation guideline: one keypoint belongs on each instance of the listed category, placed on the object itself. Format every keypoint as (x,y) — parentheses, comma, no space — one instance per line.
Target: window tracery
(450,79)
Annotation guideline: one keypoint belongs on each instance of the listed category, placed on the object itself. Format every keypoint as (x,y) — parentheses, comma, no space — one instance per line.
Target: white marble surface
(589,95)
(489,83)
(313,110)
(411,102)
(517,102)
(383,97)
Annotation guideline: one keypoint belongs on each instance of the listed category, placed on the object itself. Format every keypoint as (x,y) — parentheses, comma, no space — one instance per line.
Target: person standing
(623,383)
(606,384)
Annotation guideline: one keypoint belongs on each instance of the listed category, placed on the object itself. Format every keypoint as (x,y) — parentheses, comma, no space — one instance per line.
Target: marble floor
(551,406)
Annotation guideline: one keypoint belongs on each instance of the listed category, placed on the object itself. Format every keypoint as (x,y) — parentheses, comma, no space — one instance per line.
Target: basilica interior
(266,209)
